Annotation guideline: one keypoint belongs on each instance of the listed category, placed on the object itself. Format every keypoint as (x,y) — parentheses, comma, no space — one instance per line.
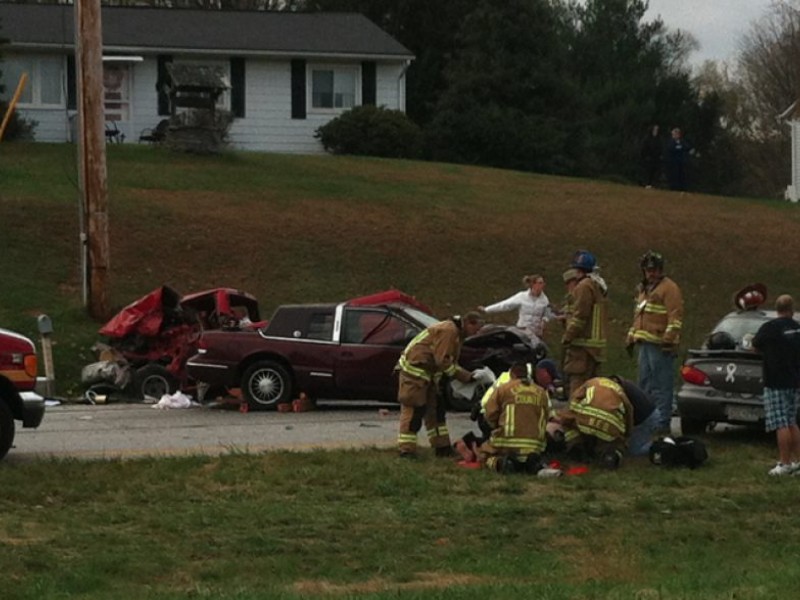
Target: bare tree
(768,81)
(769,64)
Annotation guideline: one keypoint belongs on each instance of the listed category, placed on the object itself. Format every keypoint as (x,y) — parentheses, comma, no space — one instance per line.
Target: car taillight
(694,375)
(202,345)
(31,365)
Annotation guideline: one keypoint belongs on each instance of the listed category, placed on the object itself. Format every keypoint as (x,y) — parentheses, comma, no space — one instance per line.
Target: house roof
(149,30)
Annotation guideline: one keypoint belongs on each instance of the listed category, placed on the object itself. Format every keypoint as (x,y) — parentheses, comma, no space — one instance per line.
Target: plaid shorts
(780,408)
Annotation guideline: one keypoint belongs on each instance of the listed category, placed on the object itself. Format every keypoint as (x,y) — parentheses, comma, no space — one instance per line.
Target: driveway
(133,430)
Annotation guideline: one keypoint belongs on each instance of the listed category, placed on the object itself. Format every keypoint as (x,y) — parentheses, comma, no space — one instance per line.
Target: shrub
(17,128)
(372,131)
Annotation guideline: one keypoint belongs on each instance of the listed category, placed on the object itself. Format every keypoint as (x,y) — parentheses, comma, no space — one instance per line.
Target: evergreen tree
(509,101)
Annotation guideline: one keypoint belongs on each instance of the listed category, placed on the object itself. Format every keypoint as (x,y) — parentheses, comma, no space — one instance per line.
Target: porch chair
(157,134)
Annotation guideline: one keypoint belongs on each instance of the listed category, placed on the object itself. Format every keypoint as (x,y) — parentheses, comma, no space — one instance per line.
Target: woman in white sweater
(533,306)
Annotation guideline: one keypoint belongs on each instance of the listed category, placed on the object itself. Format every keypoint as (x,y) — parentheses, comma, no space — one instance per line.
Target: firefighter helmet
(750,297)
(584,260)
(652,260)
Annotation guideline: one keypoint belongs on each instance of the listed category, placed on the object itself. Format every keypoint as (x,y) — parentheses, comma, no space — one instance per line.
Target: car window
(374,327)
(320,327)
(421,317)
(740,325)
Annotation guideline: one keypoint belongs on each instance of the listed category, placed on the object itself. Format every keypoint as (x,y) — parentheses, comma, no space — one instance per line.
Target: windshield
(420,317)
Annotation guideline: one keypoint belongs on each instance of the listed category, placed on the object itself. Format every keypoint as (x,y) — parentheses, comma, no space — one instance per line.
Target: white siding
(53,125)
(267,126)
(391,86)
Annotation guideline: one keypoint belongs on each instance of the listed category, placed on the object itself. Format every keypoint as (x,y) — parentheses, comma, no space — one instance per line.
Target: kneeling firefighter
(431,354)
(598,422)
(517,412)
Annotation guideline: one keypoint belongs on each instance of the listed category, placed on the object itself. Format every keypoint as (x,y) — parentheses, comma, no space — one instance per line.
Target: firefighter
(584,339)
(517,413)
(598,422)
(655,334)
(545,375)
(433,353)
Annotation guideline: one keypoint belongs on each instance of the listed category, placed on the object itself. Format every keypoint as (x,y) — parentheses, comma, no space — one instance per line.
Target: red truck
(18,402)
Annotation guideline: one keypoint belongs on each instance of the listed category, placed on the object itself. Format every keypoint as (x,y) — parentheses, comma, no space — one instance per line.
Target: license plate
(747,414)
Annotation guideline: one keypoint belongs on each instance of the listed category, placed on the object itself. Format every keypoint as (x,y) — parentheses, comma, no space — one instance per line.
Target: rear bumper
(704,404)
(32,409)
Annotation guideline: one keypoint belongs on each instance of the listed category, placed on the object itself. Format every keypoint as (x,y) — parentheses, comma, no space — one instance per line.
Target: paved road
(131,430)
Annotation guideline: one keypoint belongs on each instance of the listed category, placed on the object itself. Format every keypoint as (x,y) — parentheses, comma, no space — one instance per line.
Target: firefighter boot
(533,464)
(444,452)
(508,465)
(610,459)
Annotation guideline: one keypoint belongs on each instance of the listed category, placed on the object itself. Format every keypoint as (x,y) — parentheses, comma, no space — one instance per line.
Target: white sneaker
(795,469)
(781,469)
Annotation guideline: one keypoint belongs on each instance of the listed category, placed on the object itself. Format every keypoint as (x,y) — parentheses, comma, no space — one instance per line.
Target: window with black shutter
(368,83)
(298,89)
(237,87)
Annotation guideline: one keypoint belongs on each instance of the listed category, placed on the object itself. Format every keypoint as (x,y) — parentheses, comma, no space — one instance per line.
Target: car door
(371,341)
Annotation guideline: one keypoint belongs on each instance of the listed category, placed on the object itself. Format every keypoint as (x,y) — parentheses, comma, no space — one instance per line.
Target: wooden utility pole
(92,155)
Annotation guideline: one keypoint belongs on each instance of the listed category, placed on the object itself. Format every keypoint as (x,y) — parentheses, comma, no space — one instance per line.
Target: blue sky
(717,24)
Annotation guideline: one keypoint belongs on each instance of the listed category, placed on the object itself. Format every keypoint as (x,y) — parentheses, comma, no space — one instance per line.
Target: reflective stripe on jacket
(433,352)
(599,408)
(587,324)
(658,314)
(518,411)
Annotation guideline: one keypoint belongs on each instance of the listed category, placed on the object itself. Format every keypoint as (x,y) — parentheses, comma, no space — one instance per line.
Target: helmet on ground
(584,260)
(652,260)
(721,340)
(750,297)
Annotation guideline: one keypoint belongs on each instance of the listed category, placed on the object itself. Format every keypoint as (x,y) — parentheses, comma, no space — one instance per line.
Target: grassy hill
(304,229)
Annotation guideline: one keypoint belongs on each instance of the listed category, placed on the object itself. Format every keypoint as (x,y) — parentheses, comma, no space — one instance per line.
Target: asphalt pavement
(136,430)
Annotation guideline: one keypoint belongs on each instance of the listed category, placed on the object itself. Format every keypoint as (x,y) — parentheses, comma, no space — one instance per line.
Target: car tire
(266,384)
(693,426)
(154,381)
(6,428)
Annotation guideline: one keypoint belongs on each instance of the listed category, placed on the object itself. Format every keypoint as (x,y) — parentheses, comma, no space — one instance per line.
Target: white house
(289,72)
(792,117)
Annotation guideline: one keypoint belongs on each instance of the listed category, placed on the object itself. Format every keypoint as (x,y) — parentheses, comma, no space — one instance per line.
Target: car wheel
(693,426)
(266,384)
(154,381)
(6,429)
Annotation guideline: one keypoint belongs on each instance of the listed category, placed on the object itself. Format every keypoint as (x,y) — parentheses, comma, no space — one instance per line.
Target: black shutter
(368,84)
(72,90)
(161,82)
(298,89)
(237,87)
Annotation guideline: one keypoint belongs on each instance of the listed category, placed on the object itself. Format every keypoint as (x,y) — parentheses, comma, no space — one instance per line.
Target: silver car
(721,382)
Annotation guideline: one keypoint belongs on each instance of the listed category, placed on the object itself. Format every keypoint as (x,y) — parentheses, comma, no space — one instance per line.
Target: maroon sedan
(344,351)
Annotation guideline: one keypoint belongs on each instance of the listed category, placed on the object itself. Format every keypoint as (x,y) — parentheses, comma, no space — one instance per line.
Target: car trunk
(729,371)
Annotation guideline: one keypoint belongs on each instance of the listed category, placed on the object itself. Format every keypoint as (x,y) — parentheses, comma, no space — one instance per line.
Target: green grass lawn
(362,524)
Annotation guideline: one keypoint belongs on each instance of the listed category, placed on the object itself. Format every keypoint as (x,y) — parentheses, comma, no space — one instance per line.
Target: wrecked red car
(150,340)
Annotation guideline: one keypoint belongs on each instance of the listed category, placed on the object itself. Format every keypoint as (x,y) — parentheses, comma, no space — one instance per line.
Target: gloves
(483,375)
